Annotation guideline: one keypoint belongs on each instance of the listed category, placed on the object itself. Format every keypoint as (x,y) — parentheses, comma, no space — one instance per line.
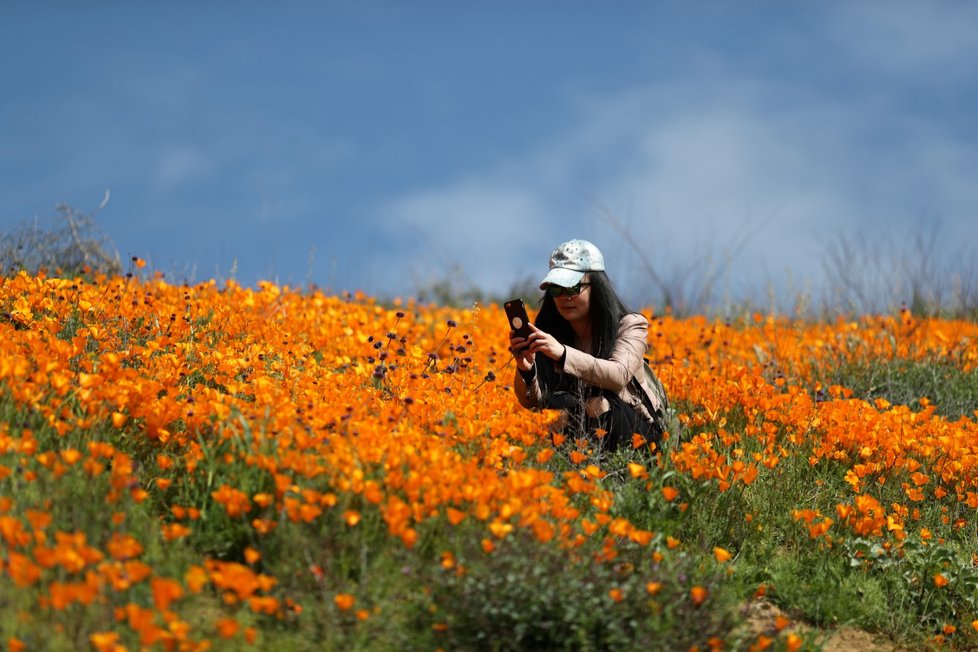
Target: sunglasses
(573,291)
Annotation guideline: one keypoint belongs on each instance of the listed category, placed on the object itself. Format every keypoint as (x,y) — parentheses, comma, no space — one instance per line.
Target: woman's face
(575,307)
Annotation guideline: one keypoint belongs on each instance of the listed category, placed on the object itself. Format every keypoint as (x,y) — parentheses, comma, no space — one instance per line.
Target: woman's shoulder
(633,323)
(633,320)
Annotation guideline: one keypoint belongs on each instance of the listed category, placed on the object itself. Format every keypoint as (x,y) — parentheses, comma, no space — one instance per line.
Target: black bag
(622,421)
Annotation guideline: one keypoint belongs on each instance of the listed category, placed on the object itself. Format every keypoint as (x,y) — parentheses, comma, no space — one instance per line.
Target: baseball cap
(570,261)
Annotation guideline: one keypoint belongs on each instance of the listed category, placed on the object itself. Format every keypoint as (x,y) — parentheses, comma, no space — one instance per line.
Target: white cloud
(908,38)
(690,165)
(180,164)
(478,227)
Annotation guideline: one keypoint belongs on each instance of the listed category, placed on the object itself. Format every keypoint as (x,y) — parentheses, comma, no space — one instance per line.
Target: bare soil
(762,617)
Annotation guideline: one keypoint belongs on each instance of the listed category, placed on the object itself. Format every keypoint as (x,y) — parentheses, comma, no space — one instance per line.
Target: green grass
(905,382)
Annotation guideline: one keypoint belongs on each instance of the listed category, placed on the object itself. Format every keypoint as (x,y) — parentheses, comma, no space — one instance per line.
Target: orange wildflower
(226,627)
(174,531)
(793,642)
(22,570)
(196,578)
(722,555)
(123,547)
(235,502)
(455,516)
(762,643)
(344,601)
(637,470)
(165,591)
(105,641)
(576,456)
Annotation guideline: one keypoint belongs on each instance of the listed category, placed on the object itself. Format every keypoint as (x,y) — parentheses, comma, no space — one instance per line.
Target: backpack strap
(653,393)
(656,401)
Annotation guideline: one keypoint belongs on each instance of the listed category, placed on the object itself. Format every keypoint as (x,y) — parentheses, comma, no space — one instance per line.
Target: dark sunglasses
(555,290)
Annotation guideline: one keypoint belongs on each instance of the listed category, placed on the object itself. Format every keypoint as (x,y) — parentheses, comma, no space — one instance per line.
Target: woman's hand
(524,349)
(521,351)
(544,343)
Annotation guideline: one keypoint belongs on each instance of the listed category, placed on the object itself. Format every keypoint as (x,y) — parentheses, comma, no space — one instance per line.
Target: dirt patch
(847,639)
(764,618)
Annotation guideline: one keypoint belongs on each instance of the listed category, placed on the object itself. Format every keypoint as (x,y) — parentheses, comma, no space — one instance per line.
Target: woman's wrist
(529,374)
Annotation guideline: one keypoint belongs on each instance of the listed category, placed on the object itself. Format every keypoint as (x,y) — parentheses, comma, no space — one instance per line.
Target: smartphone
(519,321)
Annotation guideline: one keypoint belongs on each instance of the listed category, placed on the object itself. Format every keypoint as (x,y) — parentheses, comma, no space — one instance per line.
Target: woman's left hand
(544,343)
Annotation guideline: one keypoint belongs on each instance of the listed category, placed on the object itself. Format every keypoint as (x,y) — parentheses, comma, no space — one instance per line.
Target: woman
(585,353)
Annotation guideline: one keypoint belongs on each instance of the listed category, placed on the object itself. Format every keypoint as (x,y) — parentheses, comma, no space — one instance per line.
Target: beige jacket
(615,373)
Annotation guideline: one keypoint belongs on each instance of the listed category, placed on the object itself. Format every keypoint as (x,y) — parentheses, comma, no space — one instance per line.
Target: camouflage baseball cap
(570,261)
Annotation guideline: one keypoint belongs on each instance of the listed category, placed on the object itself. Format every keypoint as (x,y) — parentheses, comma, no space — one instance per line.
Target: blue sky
(384,145)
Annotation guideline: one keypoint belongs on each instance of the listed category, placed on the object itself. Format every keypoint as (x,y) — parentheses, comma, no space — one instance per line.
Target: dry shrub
(70,245)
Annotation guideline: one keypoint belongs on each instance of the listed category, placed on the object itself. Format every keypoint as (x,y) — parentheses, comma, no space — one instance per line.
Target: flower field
(218,467)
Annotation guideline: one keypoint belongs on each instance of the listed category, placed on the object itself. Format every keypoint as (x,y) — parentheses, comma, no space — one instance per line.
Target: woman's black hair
(606,309)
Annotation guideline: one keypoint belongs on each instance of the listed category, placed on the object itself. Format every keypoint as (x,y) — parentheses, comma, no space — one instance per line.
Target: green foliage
(917,577)
(904,382)
(825,592)
(529,595)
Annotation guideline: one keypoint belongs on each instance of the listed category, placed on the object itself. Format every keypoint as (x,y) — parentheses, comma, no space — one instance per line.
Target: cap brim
(565,278)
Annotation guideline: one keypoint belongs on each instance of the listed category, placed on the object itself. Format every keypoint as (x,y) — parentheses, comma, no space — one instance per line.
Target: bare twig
(691,288)
(69,246)
(889,270)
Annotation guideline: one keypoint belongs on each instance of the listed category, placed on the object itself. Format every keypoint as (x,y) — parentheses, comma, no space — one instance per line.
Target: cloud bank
(690,165)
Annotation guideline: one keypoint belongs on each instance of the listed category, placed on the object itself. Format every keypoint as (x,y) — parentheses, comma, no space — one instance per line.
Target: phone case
(518,319)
